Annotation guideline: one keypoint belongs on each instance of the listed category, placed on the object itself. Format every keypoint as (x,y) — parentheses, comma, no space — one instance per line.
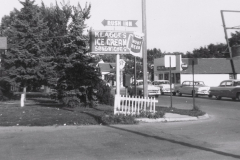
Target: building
(210,70)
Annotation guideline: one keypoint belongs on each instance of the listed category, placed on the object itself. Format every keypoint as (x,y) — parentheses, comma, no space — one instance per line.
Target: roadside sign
(109,42)
(167,61)
(125,23)
(184,66)
(121,63)
(116,42)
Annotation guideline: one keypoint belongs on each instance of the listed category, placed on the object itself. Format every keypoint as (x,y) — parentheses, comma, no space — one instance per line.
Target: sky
(172,25)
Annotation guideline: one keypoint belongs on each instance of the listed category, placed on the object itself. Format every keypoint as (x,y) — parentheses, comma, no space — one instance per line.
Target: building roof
(106,67)
(212,66)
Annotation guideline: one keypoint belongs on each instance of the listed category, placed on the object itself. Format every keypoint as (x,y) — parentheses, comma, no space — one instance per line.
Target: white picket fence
(133,105)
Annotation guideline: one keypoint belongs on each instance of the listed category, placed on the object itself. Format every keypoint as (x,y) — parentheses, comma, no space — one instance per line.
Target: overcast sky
(172,25)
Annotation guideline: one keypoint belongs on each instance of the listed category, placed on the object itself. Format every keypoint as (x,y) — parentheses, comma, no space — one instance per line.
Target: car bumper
(167,90)
(153,93)
(202,92)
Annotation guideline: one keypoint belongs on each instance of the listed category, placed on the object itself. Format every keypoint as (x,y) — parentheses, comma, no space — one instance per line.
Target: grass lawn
(46,112)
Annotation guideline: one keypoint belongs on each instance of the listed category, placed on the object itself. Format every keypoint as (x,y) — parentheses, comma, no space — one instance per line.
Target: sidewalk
(171,117)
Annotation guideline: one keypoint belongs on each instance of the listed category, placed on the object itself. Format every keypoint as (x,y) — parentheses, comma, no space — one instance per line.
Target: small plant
(71,102)
(148,114)
(118,119)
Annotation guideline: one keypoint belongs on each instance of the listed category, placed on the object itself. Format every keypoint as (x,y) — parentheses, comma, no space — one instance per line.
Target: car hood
(150,87)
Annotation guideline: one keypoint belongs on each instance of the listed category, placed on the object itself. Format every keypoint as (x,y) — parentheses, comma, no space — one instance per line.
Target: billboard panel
(112,42)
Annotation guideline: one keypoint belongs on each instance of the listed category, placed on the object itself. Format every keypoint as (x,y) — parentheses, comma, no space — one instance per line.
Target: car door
(185,87)
(228,89)
(222,89)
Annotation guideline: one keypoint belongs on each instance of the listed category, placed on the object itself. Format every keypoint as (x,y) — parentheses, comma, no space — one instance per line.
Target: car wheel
(210,96)
(174,93)
(238,96)
(162,93)
(179,93)
(218,97)
(234,99)
(156,96)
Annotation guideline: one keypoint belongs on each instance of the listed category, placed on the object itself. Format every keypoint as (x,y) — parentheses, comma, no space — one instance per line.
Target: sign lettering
(109,41)
(126,23)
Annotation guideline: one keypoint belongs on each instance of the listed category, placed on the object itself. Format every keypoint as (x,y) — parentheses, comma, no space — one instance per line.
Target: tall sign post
(193,62)
(226,37)
(144,49)
(170,61)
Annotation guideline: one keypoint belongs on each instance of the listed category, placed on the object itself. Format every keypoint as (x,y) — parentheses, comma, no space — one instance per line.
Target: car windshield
(198,83)
(160,82)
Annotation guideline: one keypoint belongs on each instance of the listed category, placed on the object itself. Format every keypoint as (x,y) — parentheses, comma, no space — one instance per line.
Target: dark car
(227,88)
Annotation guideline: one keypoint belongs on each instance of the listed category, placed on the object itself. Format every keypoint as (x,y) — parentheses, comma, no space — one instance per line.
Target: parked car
(164,86)
(187,88)
(152,90)
(227,88)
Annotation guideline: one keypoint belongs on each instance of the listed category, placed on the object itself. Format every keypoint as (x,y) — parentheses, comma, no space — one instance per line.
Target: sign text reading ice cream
(109,41)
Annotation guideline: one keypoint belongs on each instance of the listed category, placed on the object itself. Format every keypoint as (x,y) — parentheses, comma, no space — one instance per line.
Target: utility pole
(144,49)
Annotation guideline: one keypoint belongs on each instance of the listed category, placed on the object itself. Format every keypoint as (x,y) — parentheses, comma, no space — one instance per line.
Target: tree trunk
(24,92)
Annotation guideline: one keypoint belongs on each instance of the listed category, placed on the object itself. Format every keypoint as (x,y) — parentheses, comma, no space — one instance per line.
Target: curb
(205,116)
(148,120)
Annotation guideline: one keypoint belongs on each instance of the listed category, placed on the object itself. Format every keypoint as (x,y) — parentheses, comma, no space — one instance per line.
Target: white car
(164,86)
(152,90)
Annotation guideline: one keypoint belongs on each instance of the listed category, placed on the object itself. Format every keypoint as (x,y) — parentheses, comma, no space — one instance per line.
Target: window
(237,83)
(166,76)
(222,84)
(229,83)
(173,78)
(177,77)
(186,83)
(160,77)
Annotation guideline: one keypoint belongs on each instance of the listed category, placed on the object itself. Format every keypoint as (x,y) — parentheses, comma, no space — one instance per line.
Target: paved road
(216,138)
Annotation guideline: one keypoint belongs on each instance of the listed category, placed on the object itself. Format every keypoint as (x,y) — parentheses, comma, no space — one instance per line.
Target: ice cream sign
(116,42)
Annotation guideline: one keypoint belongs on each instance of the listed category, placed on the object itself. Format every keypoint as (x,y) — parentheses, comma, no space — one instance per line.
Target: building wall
(161,62)
(208,79)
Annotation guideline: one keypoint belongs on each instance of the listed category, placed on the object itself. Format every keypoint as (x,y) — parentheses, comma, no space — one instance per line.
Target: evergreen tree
(25,61)
(57,19)
(73,63)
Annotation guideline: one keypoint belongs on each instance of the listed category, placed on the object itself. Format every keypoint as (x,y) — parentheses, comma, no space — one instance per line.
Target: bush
(147,114)
(5,90)
(71,102)
(118,119)
(104,94)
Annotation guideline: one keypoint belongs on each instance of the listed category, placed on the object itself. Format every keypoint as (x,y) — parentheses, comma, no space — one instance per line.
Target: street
(213,138)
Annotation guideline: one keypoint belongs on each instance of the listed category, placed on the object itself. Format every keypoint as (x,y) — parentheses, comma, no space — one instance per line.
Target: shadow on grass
(178,142)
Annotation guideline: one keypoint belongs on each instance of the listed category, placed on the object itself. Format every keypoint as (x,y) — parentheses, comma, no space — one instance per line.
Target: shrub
(118,119)
(104,94)
(71,102)
(148,114)
(5,90)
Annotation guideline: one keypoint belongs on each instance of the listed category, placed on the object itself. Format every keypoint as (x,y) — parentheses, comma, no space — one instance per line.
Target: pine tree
(25,61)
(74,62)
